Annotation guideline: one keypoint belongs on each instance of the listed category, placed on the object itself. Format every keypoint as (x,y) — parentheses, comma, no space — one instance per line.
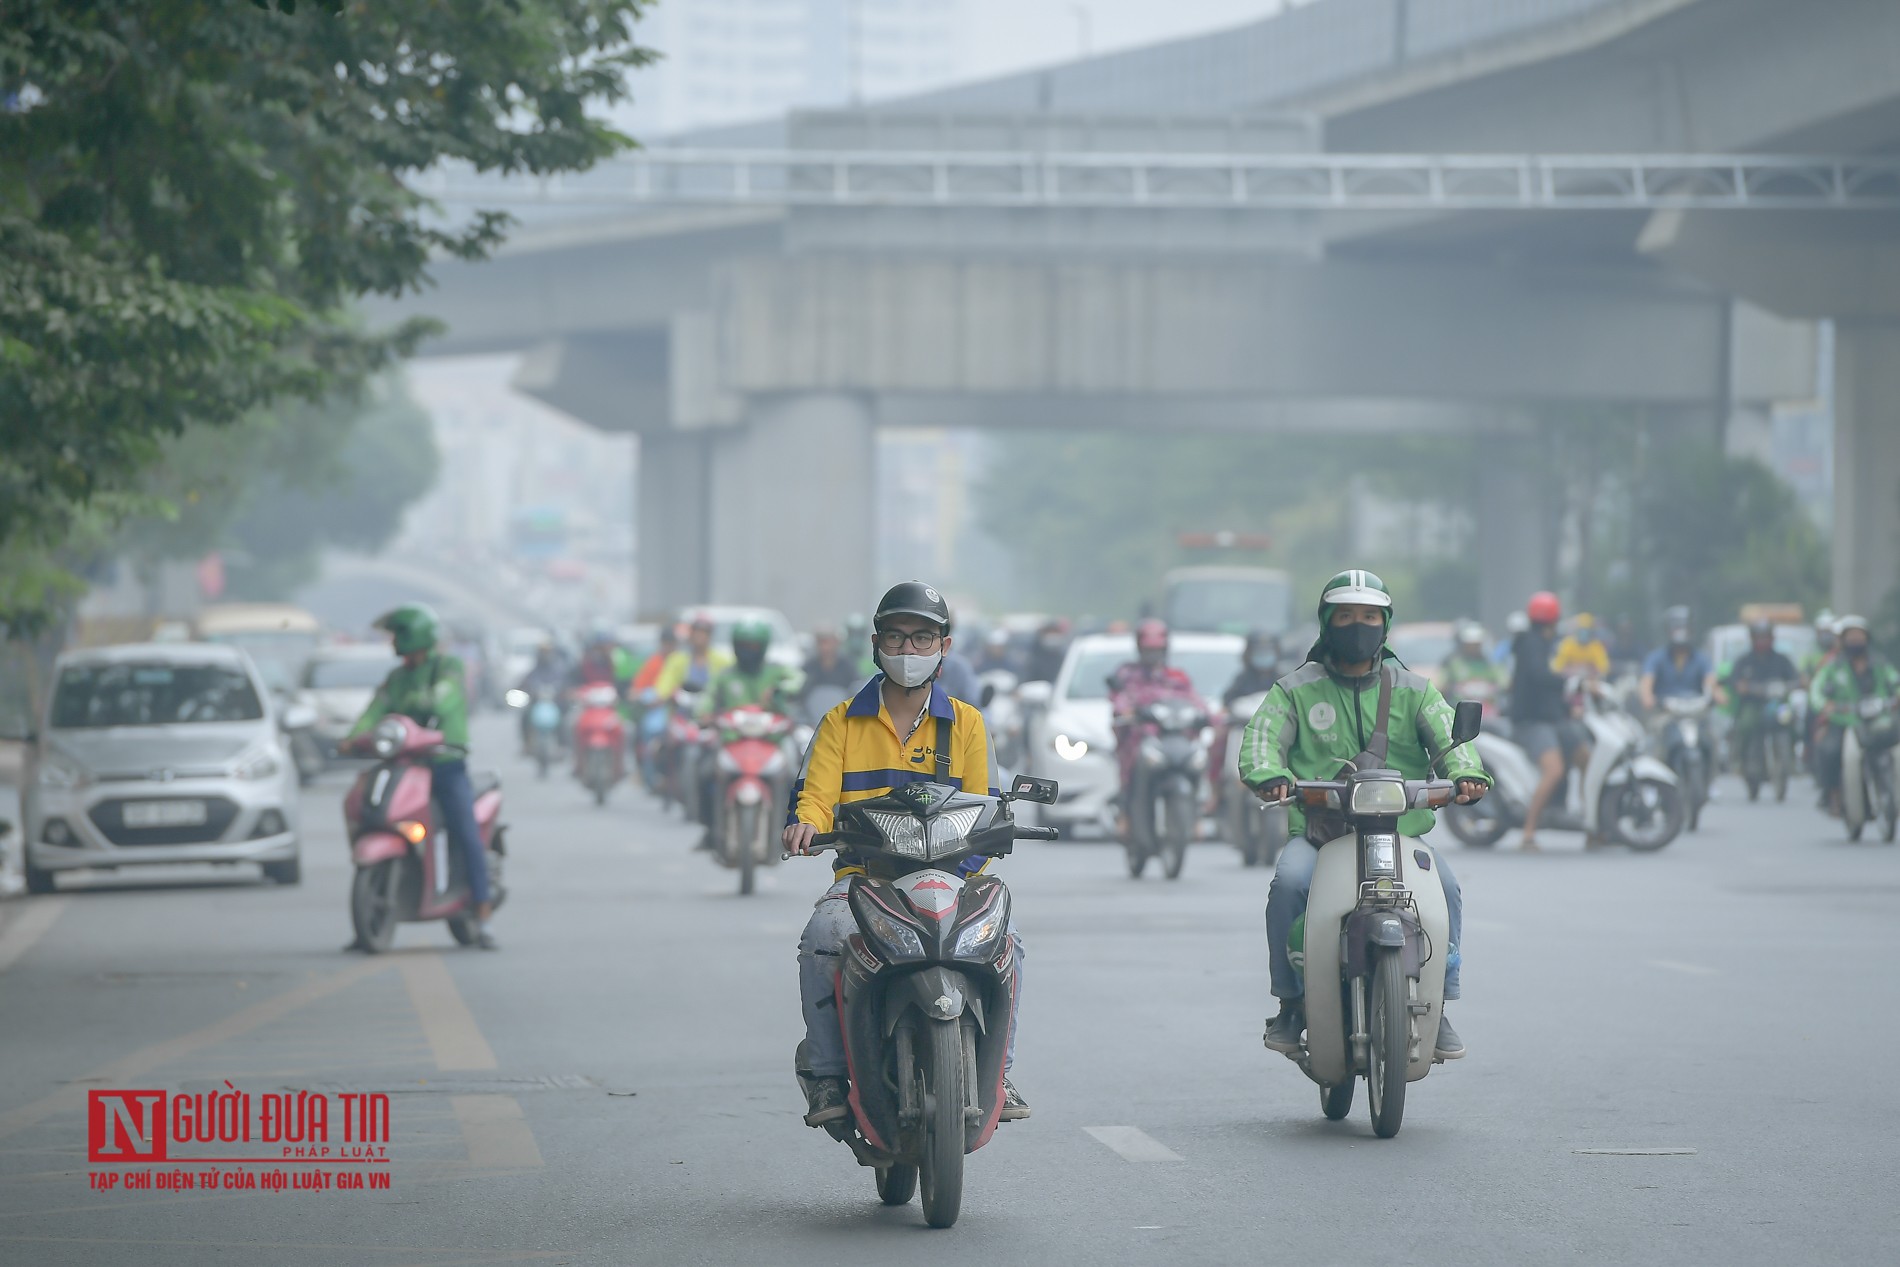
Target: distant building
(725,61)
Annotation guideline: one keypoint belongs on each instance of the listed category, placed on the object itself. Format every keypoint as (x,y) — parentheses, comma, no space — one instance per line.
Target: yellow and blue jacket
(856,754)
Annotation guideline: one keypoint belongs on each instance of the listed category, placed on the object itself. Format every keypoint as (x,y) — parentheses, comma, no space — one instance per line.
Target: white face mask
(910,671)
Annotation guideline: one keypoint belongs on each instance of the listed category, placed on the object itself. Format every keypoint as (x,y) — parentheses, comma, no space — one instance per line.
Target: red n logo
(125,1126)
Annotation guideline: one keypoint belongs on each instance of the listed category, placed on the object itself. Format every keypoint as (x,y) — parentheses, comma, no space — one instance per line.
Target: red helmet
(1151,633)
(1543,609)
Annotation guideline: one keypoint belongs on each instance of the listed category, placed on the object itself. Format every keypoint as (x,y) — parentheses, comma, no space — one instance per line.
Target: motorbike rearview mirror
(299,717)
(1037,791)
(989,695)
(1467,720)
(1036,694)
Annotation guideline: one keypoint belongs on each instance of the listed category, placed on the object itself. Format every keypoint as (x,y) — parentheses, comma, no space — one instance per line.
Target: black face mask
(1354,643)
(1854,650)
(748,657)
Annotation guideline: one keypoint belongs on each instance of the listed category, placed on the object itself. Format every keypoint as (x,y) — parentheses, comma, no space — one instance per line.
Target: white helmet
(1470,631)
(1517,622)
(1825,621)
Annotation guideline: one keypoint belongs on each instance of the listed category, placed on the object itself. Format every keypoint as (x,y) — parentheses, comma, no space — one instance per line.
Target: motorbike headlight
(58,772)
(726,762)
(901,832)
(896,940)
(517,698)
(1381,854)
(386,739)
(977,941)
(1378,796)
(951,828)
(261,764)
(1071,749)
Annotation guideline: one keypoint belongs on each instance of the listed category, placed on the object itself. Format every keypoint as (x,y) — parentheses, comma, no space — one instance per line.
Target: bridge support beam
(1866,465)
(674,481)
(1513,529)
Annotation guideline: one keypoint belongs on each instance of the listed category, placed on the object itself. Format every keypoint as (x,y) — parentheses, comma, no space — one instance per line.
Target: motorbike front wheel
(942,1171)
(1478,825)
(1178,819)
(746,846)
(896,1185)
(1784,763)
(373,905)
(1644,814)
(1883,803)
(1336,1102)
(1391,1045)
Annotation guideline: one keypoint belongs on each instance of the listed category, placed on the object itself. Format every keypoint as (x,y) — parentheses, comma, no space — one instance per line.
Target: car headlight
(1379,796)
(55,772)
(261,764)
(896,940)
(976,941)
(1071,749)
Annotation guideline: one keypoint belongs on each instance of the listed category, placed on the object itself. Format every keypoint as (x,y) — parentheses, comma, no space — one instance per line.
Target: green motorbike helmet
(752,630)
(412,626)
(1354,585)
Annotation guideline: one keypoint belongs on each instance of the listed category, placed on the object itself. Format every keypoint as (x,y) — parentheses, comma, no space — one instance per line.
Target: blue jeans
(830,926)
(1286,902)
(456,796)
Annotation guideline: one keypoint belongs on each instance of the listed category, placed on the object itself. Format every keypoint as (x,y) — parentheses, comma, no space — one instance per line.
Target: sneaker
(485,940)
(825,1101)
(1015,1108)
(1283,1031)
(1449,1046)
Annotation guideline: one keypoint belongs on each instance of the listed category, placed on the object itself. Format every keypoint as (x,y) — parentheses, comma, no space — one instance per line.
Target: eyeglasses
(894,640)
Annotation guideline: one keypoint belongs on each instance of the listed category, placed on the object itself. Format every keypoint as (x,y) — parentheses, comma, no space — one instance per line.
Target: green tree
(192,194)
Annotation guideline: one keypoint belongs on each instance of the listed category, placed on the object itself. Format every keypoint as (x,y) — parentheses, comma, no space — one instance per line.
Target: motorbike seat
(483,781)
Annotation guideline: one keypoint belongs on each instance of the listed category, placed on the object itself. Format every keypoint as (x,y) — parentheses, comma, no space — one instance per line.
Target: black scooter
(925,987)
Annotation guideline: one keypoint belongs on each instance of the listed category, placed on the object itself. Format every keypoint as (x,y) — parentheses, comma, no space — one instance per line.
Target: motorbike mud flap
(377,846)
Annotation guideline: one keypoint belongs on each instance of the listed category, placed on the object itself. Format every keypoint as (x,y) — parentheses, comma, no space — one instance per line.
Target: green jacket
(1313,721)
(431,693)
(772,686)
(1838,685)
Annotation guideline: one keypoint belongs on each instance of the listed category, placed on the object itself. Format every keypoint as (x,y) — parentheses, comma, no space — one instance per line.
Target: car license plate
(164,813)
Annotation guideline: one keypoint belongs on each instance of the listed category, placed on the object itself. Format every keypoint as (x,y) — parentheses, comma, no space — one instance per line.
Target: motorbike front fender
(940,993)
(1642,767)
(377,846)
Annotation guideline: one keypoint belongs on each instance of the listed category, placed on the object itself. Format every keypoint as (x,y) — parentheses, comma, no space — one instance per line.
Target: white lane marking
(1634,1152)
(1133,1143)
(454,1038)
(28,927)
(495,1131)
(1691,969)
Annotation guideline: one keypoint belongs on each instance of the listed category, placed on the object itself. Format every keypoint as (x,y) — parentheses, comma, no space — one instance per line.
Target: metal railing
(1267,182)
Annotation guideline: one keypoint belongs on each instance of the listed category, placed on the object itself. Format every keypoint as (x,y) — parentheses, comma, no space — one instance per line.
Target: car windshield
(278,654)
(1229,606)
(1210,671)
(152,694)
(354,671)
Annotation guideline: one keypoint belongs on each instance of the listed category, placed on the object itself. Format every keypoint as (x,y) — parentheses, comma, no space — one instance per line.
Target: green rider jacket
(1313,721)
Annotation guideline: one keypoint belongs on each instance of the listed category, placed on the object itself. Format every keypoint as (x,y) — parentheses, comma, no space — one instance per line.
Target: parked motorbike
(925,987)
(1164,803)
(1258,831)
(752,771)
(1680,741)
(600,741)
(1767,755)
(1624,794)
(1374,961)
(406,869)
(1867,770)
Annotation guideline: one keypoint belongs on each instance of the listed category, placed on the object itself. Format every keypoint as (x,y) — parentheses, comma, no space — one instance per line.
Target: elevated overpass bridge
(1360,214)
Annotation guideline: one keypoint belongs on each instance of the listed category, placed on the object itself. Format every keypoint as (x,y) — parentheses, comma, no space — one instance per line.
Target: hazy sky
(1005,35)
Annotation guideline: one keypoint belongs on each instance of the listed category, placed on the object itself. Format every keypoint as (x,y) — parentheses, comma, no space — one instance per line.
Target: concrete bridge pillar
(1866,464)
(674,484)
(1513,529)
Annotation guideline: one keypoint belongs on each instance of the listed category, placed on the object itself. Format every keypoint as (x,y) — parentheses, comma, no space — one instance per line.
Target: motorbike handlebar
(1038,833)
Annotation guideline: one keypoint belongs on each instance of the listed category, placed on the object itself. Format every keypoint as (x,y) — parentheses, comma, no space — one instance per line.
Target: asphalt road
(614,1086)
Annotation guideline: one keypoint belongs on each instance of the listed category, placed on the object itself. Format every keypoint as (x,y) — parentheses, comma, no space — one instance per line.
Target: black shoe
(825,1101)
(1015,1108)
(1283,1031)
(1449,1046)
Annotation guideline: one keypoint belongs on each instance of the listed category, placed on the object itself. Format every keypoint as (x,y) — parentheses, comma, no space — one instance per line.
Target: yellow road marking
(495,1131)
(453,1035)
(125,1071)
(28,927)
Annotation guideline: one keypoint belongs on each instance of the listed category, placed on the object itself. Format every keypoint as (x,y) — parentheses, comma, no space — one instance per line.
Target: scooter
(679,742)
(541,726)
(1767,755)
(1164,803)
(1624,794)
(1680,741)
(1257,830)
(1867,774)
(1373,942)
(600,741)
(751,770)
(925,988)
(406,869)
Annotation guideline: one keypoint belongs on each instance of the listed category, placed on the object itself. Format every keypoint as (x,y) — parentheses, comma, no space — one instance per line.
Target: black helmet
(913,598)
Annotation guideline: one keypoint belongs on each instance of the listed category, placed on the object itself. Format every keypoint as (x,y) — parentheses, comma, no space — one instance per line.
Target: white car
(337,685)
(156,753)
(784,648)
(1070,738)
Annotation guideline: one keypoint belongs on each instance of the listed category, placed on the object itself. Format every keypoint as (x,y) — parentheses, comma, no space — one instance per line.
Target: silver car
(158,752)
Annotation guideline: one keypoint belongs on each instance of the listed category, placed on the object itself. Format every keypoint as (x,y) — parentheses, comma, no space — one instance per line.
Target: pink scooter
(406,869)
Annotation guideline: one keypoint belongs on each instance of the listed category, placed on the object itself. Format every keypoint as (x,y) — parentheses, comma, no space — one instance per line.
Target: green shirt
(1840,686)
(1313,721)
(430,693)
(769,686)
